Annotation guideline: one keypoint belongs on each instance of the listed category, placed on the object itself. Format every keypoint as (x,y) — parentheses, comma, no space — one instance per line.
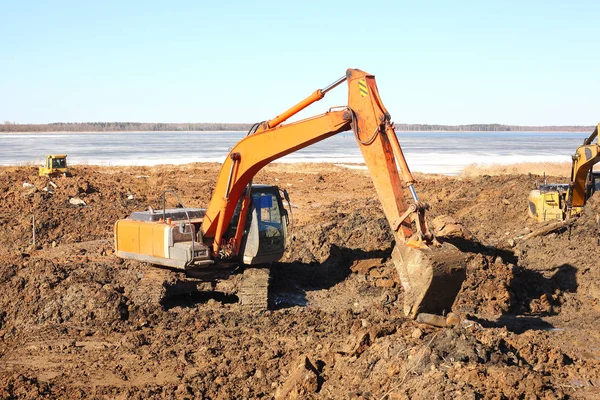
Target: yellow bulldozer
(56,165)
(556,201)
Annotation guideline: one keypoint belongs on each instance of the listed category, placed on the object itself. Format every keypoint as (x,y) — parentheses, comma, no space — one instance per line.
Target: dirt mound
(39,292)
(71,328)
(355,224)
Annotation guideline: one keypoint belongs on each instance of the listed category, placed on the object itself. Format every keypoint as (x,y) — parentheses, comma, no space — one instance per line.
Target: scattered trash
(52,184)
(76,201)
(29,189)
(142,176)
(130,197)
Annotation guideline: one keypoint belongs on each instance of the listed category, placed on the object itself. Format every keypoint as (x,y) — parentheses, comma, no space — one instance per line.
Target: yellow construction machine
(245,224)
(56,164)
(557,202)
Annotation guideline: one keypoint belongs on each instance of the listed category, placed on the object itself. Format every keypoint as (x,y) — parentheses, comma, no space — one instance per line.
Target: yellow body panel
(161,233)
(546,206)
(141,237)
(52,171)
(146,238)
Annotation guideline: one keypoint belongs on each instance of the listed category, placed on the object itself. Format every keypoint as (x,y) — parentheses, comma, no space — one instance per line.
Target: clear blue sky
(446,62)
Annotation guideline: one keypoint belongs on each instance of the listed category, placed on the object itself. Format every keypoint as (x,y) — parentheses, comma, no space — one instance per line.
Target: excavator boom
(431,272)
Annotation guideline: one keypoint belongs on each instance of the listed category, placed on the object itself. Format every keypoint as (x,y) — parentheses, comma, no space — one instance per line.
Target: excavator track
(253,292)
(155,285)
(431,277)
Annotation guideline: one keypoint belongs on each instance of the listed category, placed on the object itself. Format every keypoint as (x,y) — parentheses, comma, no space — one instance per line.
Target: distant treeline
(121,127)
(204,126)
(493,128)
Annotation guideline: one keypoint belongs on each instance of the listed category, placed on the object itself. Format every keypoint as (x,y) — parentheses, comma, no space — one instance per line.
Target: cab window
(268,213)
(58,163)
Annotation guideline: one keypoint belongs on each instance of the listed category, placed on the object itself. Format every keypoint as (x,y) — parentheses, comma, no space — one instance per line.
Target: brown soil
(69,328)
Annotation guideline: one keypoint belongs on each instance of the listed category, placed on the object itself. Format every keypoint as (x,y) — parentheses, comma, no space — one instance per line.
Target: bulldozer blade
(431,277)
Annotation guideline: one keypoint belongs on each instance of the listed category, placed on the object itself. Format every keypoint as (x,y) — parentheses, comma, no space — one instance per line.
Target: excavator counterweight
(243,221)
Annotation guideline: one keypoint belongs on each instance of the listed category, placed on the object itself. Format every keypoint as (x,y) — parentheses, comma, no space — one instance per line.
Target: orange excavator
(245,224)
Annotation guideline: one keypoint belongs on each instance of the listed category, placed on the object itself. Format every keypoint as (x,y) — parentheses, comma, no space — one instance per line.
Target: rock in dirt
(417,333)
(452,319)
(364,266)
(431,319)
(133,340)
(303,380)
(357,344)
(446,226)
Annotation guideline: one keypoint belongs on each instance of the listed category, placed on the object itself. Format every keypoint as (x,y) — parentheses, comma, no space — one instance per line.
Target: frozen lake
(431,152)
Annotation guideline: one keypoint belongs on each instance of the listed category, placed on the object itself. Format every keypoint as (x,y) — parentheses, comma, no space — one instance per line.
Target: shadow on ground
(533,295)
(291,281)
(195,298)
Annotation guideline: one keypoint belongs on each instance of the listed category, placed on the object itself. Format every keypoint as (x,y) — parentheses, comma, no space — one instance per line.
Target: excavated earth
(70,327)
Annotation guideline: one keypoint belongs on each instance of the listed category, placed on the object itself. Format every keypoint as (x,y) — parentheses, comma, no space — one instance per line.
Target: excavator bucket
(431,277)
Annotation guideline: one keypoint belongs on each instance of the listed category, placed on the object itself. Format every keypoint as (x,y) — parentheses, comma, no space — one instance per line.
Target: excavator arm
(251,154)
(584,159)
(431,272)
(272,140)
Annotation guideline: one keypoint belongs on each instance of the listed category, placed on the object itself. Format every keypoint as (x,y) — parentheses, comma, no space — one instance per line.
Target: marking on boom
(362,86)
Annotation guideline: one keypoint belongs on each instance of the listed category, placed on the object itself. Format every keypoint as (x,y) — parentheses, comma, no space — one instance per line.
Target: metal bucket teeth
(431,277)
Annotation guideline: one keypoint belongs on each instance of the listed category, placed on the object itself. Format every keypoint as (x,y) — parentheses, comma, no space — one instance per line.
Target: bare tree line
(121,127)
(494,128)
(211,126)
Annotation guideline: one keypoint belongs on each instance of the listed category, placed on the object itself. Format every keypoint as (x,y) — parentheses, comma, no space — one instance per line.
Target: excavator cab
(56,164)
(593,184)
(265,232)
